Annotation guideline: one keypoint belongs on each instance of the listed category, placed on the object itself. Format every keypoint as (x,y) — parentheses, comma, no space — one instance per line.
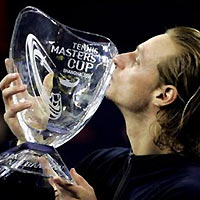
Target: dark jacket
(117,174)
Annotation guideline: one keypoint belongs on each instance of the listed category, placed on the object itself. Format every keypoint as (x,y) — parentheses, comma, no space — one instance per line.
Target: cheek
(132,89)
(135,88)
(120,92)
(111,91)
(121,84)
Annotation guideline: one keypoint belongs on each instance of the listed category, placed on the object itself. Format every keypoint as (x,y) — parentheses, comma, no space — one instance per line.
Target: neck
(139,134)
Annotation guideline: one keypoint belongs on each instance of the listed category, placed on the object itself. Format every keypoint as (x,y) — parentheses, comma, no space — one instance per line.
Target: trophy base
(27,158)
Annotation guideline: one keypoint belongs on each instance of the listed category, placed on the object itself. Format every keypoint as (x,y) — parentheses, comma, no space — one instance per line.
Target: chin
(109,94)
(108,91)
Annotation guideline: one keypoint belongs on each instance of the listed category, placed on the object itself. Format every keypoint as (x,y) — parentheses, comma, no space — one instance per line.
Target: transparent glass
(67,72)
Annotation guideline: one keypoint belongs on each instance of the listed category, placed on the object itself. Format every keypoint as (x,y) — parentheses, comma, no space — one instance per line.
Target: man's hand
(65,190)
(29,102)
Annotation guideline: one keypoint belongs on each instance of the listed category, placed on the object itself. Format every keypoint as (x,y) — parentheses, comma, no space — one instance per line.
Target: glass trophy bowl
(67,72)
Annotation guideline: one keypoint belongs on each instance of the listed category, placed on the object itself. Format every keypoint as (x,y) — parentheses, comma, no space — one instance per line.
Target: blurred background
(127,24)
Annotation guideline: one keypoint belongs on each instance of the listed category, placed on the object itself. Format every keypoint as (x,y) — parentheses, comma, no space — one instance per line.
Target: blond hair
(179,121)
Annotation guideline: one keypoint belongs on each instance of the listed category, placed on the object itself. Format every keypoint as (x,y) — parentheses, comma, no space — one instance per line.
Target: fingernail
(74,170)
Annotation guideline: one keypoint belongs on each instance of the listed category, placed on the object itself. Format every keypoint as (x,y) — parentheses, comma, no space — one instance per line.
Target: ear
(164,95)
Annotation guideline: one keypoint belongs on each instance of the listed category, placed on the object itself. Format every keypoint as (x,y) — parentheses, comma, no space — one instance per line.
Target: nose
(124,60)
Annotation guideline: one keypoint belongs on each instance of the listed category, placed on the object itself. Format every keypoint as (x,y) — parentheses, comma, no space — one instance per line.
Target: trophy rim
(69,28)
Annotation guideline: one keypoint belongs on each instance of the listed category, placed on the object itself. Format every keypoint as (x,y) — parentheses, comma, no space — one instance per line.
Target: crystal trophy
(67,72)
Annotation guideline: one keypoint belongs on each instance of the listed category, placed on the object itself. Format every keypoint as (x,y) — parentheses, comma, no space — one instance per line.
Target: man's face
(136,75)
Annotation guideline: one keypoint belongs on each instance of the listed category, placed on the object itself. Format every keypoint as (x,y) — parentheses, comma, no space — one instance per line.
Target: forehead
(159,47)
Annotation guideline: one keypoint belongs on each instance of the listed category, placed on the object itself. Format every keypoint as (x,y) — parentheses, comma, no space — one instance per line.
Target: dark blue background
(127,24)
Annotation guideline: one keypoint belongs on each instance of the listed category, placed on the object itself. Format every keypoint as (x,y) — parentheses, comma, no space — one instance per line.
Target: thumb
(79,179)
(48,82)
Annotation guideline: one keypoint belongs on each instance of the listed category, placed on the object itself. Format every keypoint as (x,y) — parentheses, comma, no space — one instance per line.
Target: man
(157,89)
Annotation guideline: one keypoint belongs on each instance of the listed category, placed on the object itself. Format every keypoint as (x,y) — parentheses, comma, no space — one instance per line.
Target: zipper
(123,179)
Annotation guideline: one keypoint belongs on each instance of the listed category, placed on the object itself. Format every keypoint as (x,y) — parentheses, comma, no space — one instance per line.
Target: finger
(7,95)
(62,182)
(12,110)
(10,91)
(48,83)
(12,67)
(9,64)
(19,83)
(12,77)
(7,80)
(6,63)
(8,88)
(47,169)
(56,194)
(63,187)
(76,190)
(66,193)
(79,179)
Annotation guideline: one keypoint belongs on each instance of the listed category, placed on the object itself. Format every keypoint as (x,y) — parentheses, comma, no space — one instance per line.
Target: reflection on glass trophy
(67,72)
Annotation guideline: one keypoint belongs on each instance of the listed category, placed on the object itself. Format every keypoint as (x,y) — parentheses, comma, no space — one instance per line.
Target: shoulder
(107,155)
(187,188)
(187,182)
(104,157)
(110,153)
